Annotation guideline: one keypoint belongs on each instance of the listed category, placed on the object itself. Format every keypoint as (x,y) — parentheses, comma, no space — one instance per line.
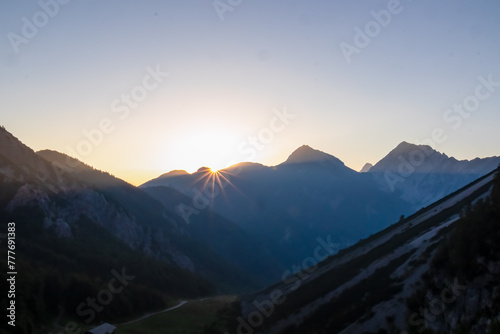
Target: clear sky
(186,83)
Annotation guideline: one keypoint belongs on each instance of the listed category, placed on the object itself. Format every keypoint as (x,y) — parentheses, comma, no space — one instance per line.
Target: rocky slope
(64,191)
(407,278)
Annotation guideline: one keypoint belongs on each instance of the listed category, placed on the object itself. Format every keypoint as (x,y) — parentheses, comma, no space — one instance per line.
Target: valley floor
(188,317)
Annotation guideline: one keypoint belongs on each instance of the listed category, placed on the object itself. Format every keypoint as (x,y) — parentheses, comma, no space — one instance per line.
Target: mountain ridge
(421,175)
(306,154)
(390,162)
(293,203)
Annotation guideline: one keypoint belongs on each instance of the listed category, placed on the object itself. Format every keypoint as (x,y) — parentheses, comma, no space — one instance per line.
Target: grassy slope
(193,317)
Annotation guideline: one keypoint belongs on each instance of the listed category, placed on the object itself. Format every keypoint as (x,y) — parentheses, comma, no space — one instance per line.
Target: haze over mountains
(313,194)
(310,195)
(422,175)
(400,171)
(434,272)
(190,235)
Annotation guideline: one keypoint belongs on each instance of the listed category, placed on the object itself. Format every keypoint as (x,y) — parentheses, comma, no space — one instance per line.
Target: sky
(139,88)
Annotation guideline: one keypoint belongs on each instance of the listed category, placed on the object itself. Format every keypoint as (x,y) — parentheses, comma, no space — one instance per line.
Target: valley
(291,243)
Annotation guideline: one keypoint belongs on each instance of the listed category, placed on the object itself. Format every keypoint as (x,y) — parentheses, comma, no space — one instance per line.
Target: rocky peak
(306,154)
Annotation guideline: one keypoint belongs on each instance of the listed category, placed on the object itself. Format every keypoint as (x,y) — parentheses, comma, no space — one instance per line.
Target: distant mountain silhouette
(366,168)
(306,154)
(314,194)
(311,195)
(422,175)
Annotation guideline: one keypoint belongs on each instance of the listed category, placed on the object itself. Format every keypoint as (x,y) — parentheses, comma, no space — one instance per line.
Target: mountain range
(189,235)
(313,194)
(421,175)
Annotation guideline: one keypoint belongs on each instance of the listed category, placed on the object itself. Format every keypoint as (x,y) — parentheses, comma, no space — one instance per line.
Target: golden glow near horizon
(170,86)
(213,147)
(214,183)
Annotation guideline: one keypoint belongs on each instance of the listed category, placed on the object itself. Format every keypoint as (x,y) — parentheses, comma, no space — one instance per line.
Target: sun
(211,171)
(213,183)
(214,148)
